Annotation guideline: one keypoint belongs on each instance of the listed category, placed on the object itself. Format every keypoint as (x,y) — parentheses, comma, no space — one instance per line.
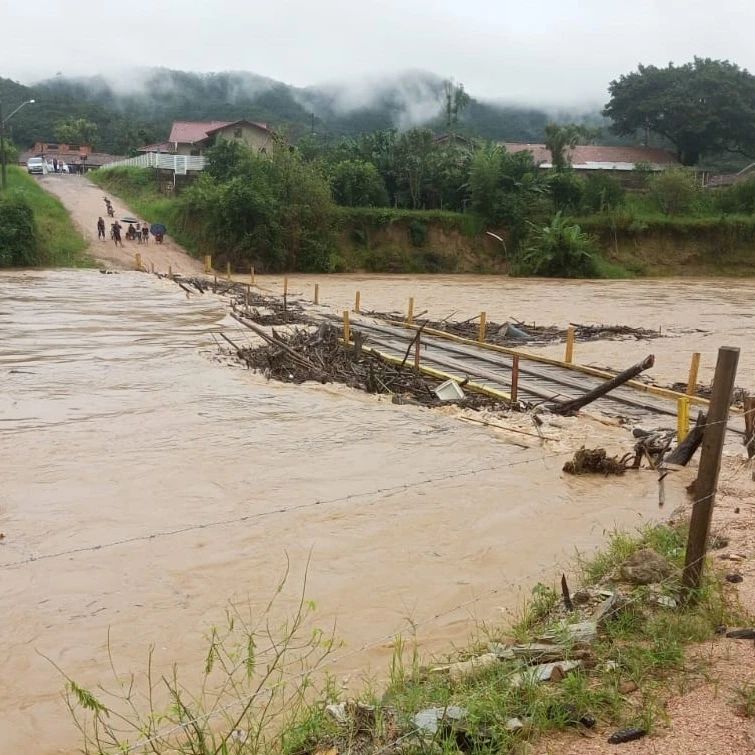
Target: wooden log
(685,450)
(574,405)
(749,439)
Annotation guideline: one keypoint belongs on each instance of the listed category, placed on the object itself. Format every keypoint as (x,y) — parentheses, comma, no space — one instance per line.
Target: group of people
(59,166)
(139,232)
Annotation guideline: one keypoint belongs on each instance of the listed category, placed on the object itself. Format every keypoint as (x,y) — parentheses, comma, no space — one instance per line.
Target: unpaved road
(85,202)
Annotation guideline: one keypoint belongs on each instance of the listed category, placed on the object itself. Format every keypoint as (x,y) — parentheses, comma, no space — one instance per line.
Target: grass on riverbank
(490,705)
(59,243)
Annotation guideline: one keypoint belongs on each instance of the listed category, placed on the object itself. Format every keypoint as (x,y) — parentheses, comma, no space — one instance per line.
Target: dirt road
(84,201)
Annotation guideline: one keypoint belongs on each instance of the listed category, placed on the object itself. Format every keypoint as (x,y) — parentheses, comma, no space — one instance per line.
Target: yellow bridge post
(251,275)
(228,271)
(682,418)
(483,325)
(317,293)
(694,366)
(208,263)
(170,272)
(410,312)
(357,297)
(346,327)
(138,262)
(569,353)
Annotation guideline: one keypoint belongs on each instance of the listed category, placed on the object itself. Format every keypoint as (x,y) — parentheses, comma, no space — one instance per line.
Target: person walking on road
(116,232)
(101,229)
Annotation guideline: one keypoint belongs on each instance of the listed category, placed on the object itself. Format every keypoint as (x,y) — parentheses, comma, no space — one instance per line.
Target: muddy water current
(117,423)
(695,314)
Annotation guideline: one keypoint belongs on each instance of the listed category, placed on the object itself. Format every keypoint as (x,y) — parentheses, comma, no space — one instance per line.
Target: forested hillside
(140,108)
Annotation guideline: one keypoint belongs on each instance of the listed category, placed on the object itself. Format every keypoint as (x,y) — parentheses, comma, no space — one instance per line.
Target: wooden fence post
(317,293)
(346,327)
(410,312)
(749,440)
(483,325)
(514,378)
(682,418)
(569,353)
(710,466)
(694,366)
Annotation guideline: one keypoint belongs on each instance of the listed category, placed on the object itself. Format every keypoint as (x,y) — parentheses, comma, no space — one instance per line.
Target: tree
(76,131)
(559,138)
(357,183)
(506,188)
(455,100)
(674,191)
(413,152)
(559,250)
(702,107)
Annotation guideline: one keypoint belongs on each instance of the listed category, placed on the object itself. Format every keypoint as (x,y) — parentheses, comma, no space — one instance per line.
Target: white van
(37,165)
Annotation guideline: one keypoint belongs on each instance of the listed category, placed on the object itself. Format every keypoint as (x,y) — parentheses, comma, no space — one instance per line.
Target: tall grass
(59,242)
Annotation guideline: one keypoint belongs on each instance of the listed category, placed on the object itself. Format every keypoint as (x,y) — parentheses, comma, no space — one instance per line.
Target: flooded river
(698,315)
(117,423)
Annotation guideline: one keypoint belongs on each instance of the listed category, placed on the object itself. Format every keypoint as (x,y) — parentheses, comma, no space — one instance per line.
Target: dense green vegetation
(702,108)
(318,207)
(35,228)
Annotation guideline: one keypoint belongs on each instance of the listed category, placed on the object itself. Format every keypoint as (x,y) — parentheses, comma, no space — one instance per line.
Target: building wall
(256,139)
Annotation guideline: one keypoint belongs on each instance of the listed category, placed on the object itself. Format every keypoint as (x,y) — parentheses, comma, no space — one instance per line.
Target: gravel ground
(703,716)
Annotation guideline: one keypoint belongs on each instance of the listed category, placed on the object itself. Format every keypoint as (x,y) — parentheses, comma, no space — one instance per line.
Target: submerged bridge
(488,369)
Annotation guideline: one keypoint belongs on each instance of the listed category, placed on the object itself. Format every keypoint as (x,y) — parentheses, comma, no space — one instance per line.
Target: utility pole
(3,121)
(710,466)
(2,149)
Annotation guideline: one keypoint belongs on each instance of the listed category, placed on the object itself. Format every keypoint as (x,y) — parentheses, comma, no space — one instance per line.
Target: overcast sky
(542,51)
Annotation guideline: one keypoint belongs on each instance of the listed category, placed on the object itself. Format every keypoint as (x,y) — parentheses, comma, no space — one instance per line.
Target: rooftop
(590,156)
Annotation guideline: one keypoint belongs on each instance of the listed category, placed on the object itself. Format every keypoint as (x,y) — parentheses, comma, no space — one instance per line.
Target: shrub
(18,233)
(417,233)
(356,183)
(674,192)
(566,189)
(559,250)
(738,198)
(602,192)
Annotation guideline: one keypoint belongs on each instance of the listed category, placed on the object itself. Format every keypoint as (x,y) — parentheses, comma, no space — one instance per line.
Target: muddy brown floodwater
(116,422)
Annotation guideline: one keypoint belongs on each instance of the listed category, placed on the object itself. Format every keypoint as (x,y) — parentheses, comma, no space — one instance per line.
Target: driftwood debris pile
(597,461)
(318,355)
(517,333)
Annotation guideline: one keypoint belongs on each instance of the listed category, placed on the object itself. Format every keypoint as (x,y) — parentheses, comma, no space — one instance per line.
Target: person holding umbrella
(158,231)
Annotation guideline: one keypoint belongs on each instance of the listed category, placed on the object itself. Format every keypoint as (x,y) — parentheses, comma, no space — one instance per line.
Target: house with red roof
(591,157)
(193,138)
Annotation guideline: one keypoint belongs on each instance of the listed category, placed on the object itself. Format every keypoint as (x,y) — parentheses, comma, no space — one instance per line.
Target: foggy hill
(138,107)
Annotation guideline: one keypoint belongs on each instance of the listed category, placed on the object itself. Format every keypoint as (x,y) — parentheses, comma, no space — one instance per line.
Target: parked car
(37,165)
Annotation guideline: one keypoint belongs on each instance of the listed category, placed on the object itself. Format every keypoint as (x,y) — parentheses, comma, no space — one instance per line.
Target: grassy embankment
(373,239)
(624,676)
(634,240)
(58,242)
(702,241)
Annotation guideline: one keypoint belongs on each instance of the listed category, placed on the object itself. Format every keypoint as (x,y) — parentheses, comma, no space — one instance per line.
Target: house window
(237,133)
(195,153)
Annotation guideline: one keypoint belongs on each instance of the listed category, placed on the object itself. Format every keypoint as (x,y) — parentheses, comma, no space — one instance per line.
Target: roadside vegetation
(618,652)
(35,229)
